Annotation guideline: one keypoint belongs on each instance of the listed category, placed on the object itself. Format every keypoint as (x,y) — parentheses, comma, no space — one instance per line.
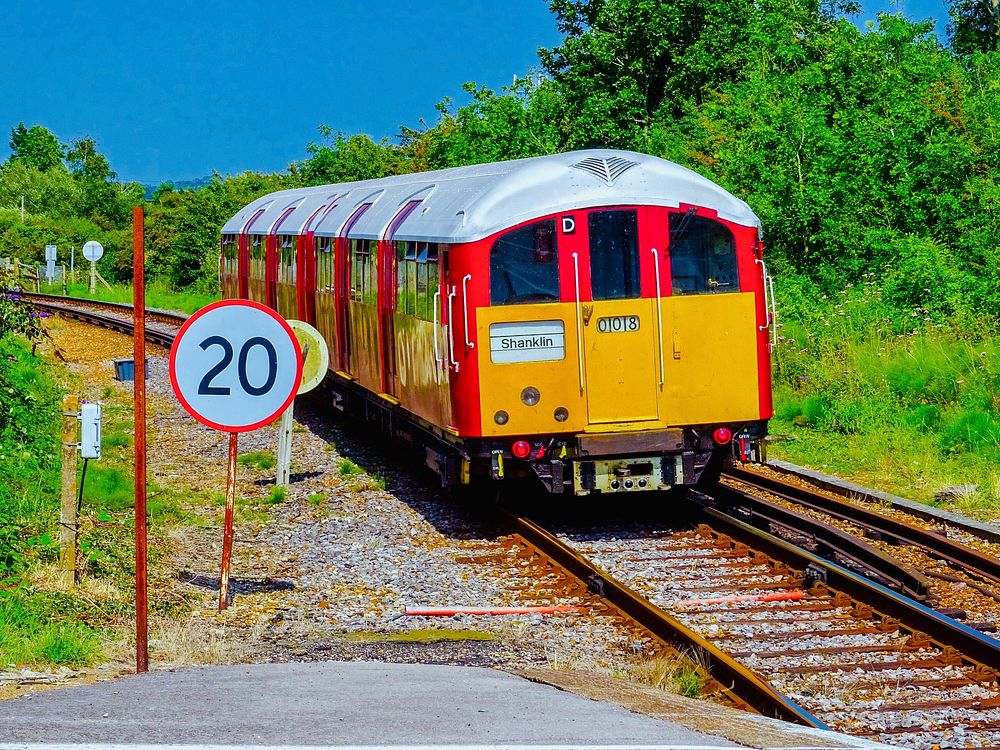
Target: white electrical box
(90,431)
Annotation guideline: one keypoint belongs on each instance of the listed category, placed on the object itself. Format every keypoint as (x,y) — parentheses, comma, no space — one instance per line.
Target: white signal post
(93,251)
(316,360)
(235,365)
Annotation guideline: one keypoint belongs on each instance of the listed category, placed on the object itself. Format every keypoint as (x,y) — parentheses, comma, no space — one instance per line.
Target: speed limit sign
(235,365)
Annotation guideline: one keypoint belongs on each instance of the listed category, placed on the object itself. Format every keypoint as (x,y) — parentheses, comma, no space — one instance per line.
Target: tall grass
(158,295)
(904,400)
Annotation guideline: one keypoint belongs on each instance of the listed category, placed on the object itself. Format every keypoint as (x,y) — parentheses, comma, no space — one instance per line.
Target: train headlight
(530,396)
(501,417)
(561,414)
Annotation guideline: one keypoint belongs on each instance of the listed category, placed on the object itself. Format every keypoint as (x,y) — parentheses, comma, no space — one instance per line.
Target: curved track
(161,325)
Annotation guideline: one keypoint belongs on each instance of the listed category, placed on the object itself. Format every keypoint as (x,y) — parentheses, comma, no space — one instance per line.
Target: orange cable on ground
(451,611)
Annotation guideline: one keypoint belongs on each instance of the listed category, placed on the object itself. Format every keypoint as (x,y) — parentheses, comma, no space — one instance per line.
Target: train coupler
(552,474)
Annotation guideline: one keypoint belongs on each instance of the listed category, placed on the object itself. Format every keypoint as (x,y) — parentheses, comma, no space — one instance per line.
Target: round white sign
(93,250)
(315,354)
(235,365)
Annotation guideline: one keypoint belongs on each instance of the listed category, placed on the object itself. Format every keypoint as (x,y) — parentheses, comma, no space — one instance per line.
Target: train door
(387,288)
(710,324)
(243,251)
(306,260)
(279,257)
(619,324)
(342,287)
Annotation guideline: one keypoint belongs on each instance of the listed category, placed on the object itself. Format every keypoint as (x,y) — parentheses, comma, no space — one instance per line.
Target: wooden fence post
(67,506)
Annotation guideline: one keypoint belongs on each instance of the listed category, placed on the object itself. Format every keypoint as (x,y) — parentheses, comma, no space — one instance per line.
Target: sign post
(139,411)
(93,251)
(50,263)
(315,361)
(235,366)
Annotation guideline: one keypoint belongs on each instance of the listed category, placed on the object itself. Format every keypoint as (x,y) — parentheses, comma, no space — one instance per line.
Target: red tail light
(722,436)
(521,449)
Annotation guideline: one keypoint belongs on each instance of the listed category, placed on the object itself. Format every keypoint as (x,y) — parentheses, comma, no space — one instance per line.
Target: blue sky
(193,86)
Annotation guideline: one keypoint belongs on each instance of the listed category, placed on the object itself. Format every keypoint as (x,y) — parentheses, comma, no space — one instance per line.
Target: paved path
(336,704)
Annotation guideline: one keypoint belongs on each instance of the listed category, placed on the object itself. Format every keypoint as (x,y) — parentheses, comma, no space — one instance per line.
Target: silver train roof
(465,204)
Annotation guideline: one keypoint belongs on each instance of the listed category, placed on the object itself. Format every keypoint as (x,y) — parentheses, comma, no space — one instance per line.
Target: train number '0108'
(618,324)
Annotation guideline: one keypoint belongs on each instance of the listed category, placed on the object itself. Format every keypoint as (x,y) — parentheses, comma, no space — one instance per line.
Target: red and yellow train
(598,319)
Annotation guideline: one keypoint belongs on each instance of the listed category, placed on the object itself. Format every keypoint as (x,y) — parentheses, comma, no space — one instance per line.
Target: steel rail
(829,539)
(740,684)
(976,648)
(93,317)
(161,316)
(884,528)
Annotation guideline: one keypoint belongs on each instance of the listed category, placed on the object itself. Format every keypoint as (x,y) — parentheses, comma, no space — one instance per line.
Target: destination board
(527,341)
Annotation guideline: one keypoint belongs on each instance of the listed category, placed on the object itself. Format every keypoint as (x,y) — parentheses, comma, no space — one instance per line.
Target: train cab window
(417,278)
(614,254)
(702,256)
(524,265)
(324,264)
(230,254)
(287,256)
(364,271)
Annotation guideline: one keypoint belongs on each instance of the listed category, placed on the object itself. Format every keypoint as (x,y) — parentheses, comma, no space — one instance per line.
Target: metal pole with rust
(139,354)
(227,535)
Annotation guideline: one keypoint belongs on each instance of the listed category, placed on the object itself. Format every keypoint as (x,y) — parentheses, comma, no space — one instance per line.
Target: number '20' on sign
(235,365)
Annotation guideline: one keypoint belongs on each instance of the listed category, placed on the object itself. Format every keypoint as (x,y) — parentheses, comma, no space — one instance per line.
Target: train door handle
(659,314)
(469,344)
(677,345)
(451,327)
(438,362)
(579,317)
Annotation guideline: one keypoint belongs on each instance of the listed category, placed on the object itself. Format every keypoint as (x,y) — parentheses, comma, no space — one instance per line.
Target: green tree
(35,147)
(340,158)
(974,25)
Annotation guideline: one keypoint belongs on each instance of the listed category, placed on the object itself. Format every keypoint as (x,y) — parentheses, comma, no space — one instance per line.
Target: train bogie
(597,320)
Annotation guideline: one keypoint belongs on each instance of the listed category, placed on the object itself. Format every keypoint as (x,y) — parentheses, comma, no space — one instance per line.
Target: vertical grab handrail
(451,327)
(659,311)
(774,312)
(465,311)
(579,318)
(768,303)
(437,350)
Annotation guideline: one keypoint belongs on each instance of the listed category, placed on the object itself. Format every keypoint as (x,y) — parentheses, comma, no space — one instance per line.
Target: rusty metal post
(139,355)
(67,505)
(227,534)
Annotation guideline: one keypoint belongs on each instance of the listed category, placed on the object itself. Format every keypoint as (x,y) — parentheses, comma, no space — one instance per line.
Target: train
(600,321)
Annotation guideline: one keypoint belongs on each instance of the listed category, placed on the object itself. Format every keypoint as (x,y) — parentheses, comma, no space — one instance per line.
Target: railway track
(912,555)
(161,325)
(790,633)
(780,629)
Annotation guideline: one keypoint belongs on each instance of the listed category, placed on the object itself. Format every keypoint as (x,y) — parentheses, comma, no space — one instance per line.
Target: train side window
(702,256)
(324,264)
(524,265)
(230,254)
(286,262)
(416,278)
(257,256)
(614,254)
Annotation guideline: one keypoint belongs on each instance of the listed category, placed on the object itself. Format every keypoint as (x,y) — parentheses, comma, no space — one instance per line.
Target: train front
(623,346)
